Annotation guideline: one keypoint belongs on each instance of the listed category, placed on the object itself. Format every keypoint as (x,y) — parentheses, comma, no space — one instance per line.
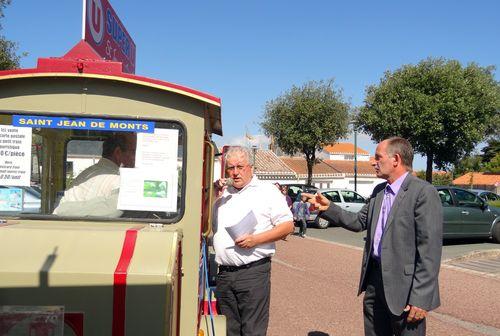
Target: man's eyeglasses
(233,168)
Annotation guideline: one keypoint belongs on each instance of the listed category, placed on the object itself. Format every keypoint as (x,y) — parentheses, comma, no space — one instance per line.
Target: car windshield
(62,167)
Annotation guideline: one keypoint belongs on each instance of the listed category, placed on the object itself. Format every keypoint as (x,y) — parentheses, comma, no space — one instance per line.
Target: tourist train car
(125,262)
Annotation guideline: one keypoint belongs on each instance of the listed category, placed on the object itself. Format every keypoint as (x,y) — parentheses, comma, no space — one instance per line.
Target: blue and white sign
(137,126)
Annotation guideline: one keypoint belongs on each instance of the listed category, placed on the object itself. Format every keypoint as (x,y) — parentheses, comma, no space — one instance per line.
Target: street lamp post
(254,151)
(353,124)
(355,158)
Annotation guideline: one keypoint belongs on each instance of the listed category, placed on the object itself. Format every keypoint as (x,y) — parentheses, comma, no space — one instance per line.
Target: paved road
(314,285)
(451,249)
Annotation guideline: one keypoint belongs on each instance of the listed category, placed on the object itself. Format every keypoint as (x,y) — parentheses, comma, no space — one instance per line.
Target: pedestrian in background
(284,191)
(301,213)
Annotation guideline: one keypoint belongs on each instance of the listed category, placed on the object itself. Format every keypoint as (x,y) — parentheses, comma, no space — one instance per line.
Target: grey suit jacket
(411,244)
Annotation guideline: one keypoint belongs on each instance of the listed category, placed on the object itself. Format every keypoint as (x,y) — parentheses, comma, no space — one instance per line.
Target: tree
(491,150)
(8,57)
(470,163)
(493,166)
(442,108)
(487,162)
(305,118)
(438,178)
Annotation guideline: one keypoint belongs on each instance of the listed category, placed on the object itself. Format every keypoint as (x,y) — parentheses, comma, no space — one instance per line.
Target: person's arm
(429,239)
(333,213)
(278,232)
(280,217)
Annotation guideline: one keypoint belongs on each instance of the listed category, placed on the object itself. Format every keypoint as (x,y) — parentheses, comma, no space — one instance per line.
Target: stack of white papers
(244,226)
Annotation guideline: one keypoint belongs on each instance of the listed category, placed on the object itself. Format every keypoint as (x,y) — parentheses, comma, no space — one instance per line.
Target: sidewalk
(314,286)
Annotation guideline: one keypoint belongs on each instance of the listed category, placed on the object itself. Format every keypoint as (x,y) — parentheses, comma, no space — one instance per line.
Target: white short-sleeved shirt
(270,209)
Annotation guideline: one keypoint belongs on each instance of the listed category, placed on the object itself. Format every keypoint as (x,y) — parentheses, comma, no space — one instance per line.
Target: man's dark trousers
(243,296)
(377,318)
(303,227)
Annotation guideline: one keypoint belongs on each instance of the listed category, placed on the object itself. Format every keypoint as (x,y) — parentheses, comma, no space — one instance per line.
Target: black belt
(262,261)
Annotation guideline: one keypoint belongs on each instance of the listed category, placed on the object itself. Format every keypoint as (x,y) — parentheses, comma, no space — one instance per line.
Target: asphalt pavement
(315,281)
(451,248)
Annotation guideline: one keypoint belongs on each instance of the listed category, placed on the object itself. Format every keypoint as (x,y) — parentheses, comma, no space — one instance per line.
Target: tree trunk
(310,158)
(428,170)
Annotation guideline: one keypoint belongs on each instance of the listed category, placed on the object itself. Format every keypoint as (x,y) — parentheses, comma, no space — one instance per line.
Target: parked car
(487,195)
(347,199)
(466,215)
(31,199)
(295,188)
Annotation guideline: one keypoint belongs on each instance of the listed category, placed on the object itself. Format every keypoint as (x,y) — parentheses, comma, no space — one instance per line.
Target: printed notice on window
(15,156)
(147,190)
(157,150)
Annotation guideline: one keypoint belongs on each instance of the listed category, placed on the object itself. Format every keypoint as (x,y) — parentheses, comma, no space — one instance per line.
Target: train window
(67,167)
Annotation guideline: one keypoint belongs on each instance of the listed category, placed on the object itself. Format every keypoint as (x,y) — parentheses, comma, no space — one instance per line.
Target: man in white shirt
(94,192)
(249,216)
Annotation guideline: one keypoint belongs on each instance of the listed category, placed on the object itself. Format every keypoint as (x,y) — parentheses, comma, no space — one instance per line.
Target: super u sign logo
(95,17)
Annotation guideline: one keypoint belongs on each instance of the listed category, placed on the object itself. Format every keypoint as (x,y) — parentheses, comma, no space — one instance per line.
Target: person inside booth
(94,192)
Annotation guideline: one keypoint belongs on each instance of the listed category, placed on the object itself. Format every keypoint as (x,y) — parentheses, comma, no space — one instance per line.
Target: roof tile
(299,166)
(266,161)
(347,167)
(478,179)
(344,148)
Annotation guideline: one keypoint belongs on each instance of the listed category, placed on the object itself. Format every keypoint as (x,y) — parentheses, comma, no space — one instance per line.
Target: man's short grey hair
(237,151)
(401,146)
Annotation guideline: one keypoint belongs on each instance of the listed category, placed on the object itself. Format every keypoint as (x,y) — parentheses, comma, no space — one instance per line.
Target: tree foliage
(491,150)
(3,4)
(8,57)
(305,118)
(470,163)
(441,107)
(493,166)
(488,162)
(438,178)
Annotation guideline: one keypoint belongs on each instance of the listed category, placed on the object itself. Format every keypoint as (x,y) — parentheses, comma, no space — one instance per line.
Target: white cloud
(259,140)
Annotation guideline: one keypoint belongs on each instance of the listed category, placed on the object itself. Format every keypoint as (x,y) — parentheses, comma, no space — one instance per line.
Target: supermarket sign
(105,33)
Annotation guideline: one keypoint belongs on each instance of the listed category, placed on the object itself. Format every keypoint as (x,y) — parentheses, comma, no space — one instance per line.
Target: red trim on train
(120,282)
(82,59)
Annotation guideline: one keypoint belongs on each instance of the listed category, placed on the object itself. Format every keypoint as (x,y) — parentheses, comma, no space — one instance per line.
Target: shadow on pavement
(317,333)
(468,241)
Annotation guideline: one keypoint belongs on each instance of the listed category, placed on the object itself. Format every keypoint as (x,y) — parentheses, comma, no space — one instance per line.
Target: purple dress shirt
(390,193)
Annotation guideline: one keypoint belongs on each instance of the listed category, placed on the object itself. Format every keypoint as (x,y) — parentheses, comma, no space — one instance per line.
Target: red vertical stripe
(120,282)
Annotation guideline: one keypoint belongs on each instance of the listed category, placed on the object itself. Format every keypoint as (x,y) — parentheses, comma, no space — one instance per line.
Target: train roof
(82,60)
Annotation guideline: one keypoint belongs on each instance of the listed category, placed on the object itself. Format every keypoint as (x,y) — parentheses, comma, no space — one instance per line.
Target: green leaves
(8,57)
(442,108)
(307,117)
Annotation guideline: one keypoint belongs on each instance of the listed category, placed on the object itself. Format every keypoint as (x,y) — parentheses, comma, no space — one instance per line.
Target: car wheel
(321,223)
(495,233)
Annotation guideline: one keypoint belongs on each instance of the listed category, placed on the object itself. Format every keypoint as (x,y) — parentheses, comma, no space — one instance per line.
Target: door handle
(465,212)
(346,206)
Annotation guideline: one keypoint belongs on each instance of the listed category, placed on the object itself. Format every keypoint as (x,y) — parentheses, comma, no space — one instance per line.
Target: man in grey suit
(402,254)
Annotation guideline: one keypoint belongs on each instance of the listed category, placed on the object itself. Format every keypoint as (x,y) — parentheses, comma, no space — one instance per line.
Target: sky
(250,52)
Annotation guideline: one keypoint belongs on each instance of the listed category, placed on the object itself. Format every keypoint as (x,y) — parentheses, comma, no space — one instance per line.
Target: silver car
(347,199)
